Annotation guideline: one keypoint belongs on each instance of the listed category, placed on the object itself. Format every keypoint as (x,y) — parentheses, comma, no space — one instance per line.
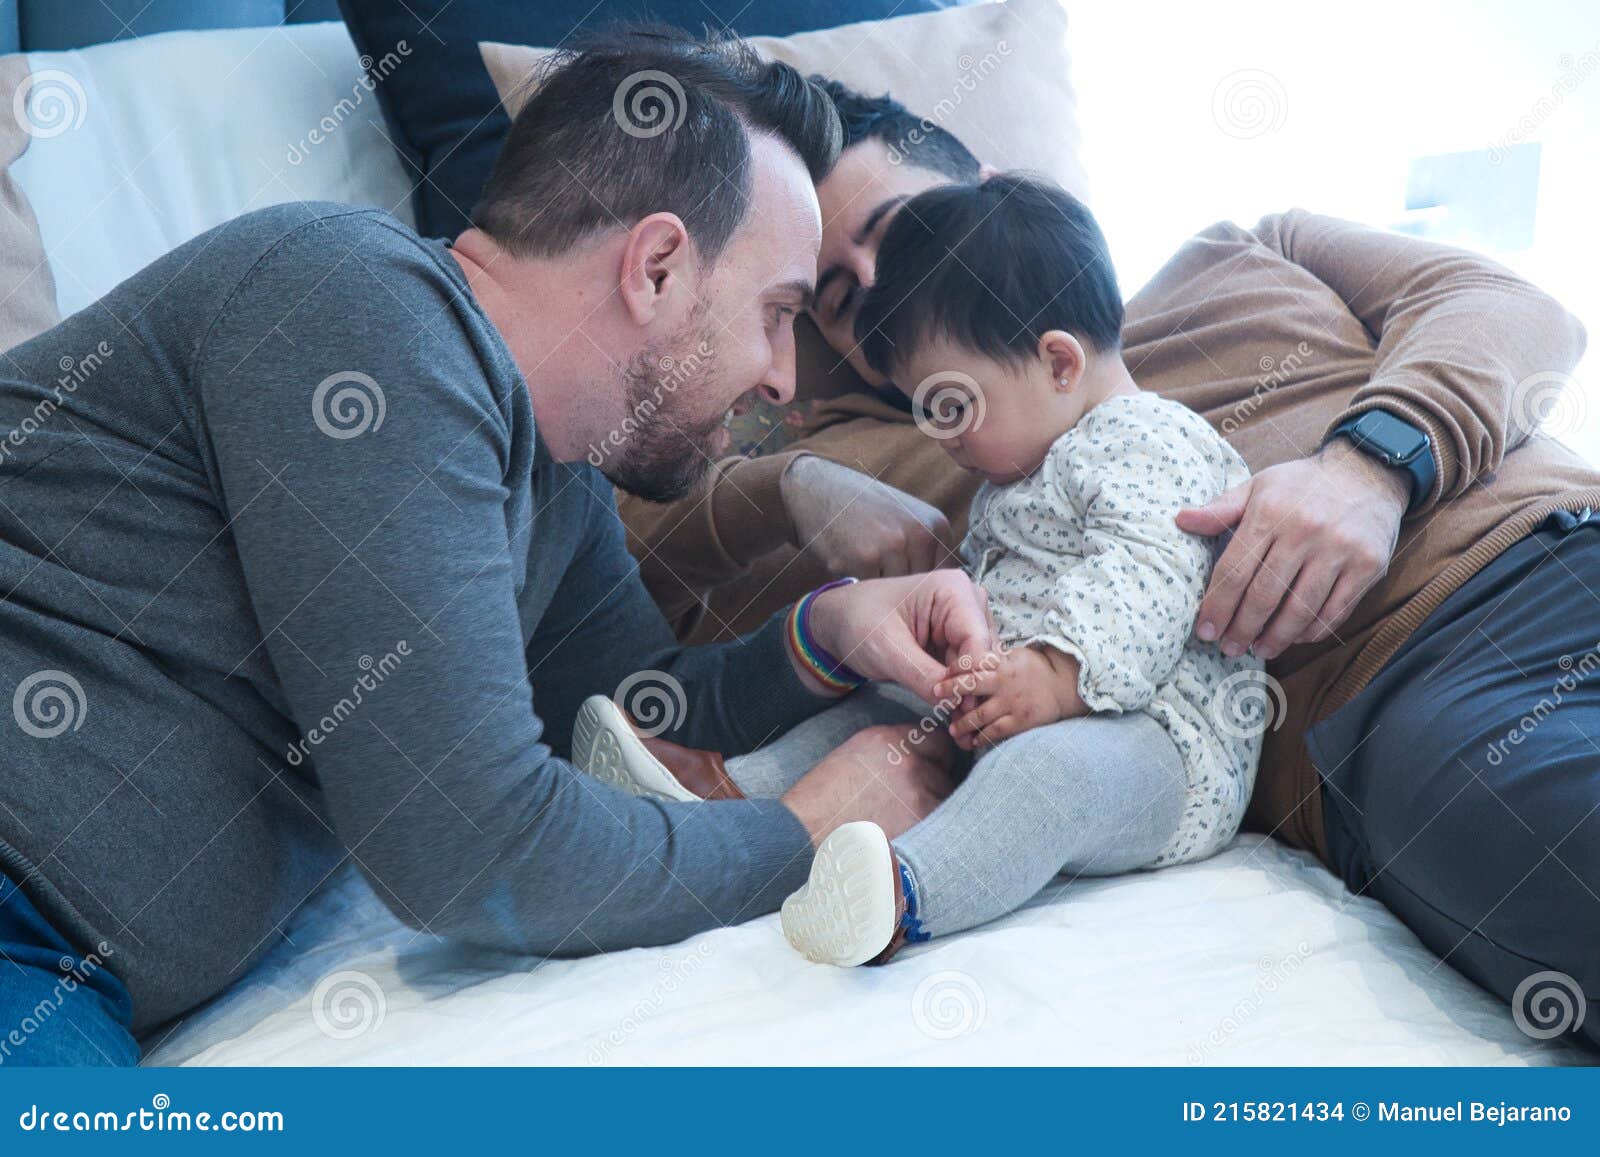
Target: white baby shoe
(852,909)
(605,746)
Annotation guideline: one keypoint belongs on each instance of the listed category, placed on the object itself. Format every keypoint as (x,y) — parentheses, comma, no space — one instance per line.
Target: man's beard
(666,446)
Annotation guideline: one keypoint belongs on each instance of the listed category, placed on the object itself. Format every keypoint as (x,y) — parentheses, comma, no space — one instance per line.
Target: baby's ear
(1064,357)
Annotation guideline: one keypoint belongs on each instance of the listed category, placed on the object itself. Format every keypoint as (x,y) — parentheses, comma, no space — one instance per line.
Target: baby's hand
(1026,687)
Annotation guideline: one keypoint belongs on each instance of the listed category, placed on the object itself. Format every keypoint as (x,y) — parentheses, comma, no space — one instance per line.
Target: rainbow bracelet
(823,667)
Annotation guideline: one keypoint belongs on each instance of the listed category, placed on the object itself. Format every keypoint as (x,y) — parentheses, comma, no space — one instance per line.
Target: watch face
(1397,440)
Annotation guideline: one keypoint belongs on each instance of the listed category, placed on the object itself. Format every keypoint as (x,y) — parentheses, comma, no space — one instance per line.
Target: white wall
(1349,93)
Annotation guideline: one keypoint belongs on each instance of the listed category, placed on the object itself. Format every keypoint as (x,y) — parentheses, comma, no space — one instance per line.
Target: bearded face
(674,429)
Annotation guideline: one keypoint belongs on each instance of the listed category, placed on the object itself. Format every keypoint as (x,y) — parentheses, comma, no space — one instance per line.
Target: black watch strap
(1395,442)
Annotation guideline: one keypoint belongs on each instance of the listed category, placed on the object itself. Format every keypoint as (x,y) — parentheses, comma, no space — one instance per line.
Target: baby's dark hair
(992,267)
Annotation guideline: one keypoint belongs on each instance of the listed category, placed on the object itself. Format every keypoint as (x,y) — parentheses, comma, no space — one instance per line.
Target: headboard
(47,25)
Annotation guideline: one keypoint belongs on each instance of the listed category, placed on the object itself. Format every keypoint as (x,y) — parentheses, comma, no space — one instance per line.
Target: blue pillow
(443,109)
(54,25)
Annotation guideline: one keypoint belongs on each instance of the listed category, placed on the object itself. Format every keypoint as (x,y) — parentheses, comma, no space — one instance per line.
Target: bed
(1257,956)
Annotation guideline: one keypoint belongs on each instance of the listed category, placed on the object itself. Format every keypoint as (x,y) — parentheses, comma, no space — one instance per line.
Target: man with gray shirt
(317,565)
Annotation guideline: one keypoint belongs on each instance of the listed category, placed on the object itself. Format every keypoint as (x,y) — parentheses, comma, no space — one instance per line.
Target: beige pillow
(995,75)
(27,288)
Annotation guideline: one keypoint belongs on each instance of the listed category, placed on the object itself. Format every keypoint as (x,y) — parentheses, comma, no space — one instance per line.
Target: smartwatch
(1394,442)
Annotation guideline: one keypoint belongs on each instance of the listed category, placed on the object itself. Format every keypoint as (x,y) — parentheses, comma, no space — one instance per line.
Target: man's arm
(602,635)
(437,777)
(711,537)
(1457,334)
(850,522)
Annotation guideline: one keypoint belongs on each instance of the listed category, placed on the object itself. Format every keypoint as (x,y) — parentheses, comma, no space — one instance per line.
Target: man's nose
(779,386)
(863,265)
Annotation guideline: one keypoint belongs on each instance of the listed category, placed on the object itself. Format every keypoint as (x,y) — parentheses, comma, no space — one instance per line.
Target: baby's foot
(853,908)
(606,746)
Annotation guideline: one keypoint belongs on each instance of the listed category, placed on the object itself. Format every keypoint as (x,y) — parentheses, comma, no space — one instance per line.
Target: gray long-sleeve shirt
(287,576)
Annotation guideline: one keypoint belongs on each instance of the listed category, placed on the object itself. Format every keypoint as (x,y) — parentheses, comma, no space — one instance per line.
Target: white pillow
(166,136)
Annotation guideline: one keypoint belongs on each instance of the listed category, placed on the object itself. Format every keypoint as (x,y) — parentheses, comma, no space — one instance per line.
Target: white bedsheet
(1257,956)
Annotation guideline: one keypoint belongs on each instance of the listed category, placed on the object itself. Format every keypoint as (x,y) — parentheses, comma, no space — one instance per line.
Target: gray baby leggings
(1096,796)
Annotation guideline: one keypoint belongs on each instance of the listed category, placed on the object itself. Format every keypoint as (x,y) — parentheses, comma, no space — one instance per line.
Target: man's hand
(893,775)
(1311,538)
(1025,688)
(905,630)
(859,526)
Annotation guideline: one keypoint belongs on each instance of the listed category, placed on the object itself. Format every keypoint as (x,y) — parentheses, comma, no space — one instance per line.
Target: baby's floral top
(1083,555)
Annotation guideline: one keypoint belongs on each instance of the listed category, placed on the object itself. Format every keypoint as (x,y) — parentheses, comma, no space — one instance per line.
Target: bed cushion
(27,291)
(967,70)
(444,112)
(48,25)
(169,135)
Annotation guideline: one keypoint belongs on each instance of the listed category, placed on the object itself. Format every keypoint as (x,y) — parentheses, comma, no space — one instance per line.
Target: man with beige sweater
(1410,555)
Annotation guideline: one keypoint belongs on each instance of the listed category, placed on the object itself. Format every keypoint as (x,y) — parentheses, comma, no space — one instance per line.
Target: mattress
(1256,956)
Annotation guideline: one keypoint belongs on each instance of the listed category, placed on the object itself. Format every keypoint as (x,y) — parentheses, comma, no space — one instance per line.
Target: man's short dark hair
(646,119)
(990,267)
(910,138)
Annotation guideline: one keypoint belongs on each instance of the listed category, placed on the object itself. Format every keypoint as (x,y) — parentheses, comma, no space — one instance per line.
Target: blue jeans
(57,1006)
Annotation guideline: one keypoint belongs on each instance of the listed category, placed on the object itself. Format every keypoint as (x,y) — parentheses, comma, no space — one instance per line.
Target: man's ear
(1062,354)
(657,266)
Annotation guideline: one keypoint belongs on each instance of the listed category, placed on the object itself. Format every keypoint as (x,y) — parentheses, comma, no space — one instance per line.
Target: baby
(1108,738)
(1114,740)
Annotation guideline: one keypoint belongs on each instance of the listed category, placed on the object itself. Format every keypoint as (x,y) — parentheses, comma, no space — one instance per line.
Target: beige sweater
(1275,335)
